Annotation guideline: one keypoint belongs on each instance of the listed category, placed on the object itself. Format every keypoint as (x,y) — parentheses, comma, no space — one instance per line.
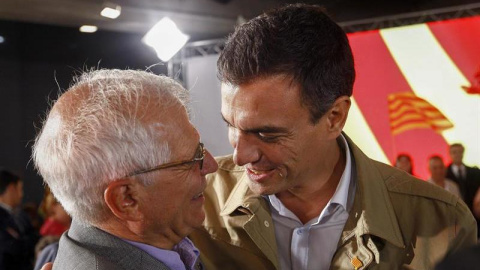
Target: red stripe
(460,38)
(377,77)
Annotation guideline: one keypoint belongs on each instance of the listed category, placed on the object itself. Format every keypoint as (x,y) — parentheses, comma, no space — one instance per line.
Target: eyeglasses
(199,157)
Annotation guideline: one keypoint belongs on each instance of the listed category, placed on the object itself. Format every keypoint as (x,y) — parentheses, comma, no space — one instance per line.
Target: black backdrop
(36,63)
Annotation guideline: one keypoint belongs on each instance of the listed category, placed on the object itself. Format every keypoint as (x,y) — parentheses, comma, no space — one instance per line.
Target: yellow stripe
(357,128)
(417,103)
(406,127)
(431,114)
(434,77)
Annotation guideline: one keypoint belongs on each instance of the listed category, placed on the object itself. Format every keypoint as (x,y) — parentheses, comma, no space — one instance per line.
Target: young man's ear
(337,115)
(122,200)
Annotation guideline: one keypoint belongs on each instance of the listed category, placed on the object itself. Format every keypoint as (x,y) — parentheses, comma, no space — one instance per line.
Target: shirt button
(266,224)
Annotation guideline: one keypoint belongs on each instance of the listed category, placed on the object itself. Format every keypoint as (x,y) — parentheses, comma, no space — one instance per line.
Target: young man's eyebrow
(262,129)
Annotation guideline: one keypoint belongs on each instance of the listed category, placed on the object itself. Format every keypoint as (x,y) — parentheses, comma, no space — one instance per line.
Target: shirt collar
(372,211)
(456,168)
(183,254)
(6,207)
(341,193)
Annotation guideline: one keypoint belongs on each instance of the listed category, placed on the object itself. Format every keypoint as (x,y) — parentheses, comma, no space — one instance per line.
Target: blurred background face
(17,193)
(456,153)
(403,163)
(59,214)
(437,169)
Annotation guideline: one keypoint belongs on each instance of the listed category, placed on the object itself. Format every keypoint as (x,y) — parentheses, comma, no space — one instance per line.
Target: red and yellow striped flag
(407,111)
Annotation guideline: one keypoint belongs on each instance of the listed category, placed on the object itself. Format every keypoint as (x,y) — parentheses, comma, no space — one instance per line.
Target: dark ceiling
(201,19)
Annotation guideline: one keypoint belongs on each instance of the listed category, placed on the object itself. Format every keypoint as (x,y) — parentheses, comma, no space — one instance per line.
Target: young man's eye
(267,137)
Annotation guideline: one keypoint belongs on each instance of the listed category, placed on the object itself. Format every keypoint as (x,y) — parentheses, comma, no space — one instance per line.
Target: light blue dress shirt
(184,256)
(312,245)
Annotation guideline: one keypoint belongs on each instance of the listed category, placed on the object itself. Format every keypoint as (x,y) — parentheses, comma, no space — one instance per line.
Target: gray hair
(94,134)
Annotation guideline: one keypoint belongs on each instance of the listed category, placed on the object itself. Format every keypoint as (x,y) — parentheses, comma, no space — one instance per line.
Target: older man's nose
(209,164)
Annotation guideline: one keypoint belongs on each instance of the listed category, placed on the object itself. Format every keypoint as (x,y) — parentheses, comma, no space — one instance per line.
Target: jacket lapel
(372,216)
(259,224)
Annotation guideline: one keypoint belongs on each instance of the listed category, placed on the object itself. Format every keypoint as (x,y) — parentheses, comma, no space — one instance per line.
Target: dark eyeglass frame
(199,157)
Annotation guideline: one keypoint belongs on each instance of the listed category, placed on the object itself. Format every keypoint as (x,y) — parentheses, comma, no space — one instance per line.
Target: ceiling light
(165,38)
(2,39)
(111,10)
(88,28)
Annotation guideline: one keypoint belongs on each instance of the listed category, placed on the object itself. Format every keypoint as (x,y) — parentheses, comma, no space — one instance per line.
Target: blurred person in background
(57,219)
(404,162)
(56,224)
(16,247)
(467,178)
(437,176)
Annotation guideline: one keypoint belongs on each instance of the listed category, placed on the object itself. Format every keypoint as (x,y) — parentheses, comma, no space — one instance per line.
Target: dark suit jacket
(87,248)
(13,247)
(468,186)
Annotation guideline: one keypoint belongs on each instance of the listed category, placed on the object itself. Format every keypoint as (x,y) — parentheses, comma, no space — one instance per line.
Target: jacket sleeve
(465,228)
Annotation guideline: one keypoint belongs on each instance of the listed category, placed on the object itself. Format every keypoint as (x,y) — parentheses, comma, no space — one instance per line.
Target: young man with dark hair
(467,178)
(13,247)
(297,193)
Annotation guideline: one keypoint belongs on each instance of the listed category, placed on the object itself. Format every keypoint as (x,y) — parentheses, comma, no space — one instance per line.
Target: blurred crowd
(29,234)
(456,177)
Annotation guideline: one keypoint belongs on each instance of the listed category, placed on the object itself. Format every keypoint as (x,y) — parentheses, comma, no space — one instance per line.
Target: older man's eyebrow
(225,120)
(261,129)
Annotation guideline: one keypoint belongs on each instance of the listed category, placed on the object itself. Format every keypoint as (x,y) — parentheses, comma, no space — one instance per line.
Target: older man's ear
(121,197)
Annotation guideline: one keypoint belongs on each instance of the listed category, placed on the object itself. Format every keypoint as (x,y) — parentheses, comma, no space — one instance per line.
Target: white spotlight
(2,39)
(165,38)
(88,28)
(111,10)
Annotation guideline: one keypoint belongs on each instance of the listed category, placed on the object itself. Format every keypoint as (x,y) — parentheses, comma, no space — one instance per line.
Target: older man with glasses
(119,152)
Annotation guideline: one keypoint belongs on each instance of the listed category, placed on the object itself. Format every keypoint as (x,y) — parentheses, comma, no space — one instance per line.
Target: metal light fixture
(88,28)
(111,10)
(165,38)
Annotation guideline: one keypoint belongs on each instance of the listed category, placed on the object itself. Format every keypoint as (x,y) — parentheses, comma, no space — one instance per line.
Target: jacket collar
(372,212)
(241,196)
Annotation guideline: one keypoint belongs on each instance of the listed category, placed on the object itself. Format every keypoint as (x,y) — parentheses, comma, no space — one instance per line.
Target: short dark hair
(457,145)
(436,157)
(298,40)
(7,178)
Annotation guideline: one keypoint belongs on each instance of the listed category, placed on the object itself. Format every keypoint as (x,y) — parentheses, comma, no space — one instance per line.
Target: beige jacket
(396,222)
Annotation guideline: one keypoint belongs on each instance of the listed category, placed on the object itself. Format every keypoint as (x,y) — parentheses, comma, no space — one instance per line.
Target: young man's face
(271,133)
